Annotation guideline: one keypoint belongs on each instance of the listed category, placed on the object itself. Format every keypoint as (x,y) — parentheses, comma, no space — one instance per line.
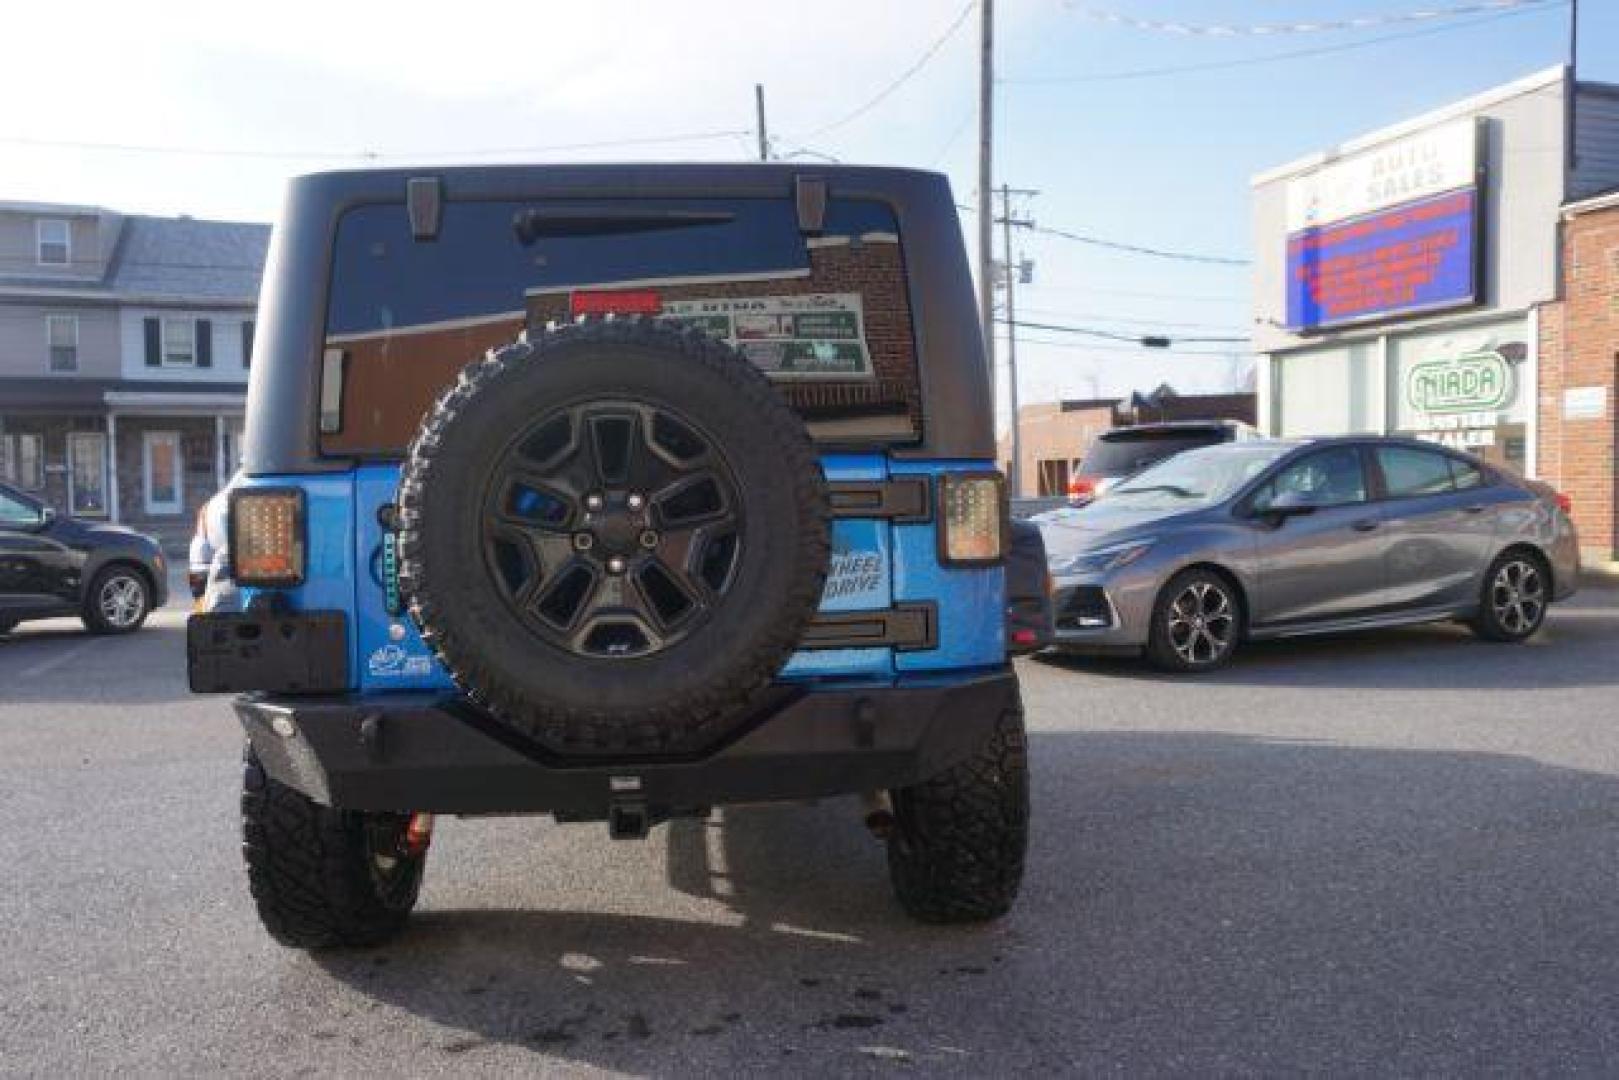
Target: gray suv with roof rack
(618,493)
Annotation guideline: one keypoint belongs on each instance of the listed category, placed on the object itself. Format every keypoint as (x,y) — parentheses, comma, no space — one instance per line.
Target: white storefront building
(1398,274)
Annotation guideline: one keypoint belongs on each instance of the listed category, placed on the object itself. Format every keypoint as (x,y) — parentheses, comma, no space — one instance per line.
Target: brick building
(124,350)
(1579,366)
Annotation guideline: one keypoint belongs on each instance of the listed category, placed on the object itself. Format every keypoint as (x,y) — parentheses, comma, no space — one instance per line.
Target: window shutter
(247,343)
(154,343)
(205,343)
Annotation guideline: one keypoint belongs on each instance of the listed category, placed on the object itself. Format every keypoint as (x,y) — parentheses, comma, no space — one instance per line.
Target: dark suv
(616,493)
(1119,454)
(50,566)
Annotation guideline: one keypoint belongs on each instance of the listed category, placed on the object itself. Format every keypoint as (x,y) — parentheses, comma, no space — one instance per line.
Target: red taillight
(1082,487)
(615,302)
(1564,503)
(1024,636)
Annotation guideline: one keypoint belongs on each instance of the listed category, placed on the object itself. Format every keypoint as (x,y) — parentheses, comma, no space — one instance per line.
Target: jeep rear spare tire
(613,534)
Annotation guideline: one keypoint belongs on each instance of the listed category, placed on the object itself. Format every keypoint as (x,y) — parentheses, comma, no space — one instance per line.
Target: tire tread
(960,839)
(306,869)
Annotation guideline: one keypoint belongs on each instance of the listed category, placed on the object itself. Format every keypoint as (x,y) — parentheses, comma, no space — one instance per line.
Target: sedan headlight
(1100,561)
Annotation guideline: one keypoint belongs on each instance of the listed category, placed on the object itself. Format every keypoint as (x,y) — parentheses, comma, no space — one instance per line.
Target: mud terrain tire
(323,878)
(956,852)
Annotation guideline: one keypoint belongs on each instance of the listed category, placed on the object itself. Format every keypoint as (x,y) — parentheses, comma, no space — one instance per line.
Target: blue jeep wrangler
(615,493)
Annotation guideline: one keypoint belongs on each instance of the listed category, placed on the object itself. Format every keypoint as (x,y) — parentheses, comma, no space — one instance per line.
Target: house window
(247,343)
(20,462)
(54,242)
(29,459)
(62,335)
(179,342)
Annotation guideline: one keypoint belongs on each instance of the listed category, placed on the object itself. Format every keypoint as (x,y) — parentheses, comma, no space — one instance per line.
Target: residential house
(125,342)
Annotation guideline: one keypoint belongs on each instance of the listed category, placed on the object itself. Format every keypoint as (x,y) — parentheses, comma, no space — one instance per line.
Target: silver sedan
(1265,539)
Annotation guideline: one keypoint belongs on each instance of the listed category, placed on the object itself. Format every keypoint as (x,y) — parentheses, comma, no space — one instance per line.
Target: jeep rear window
(825,315)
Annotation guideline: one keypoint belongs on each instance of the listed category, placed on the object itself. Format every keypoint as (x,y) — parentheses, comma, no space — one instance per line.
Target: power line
(1138,350)
(1115,245)
(955,133)
(1108,335)
(361,155)
(1179,298)
(1136,249)
(904,76)
(1360,22)
(1151,341)
(1129,320)
(1273,58)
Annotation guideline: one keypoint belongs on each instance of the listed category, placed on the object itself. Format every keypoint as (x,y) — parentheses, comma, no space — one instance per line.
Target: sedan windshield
(1197,478)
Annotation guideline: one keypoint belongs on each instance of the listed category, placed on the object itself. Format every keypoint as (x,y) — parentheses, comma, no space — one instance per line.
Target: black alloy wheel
(613,527)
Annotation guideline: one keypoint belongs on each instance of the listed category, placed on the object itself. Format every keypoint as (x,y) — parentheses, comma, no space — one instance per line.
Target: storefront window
(1328,391)
(1464,388)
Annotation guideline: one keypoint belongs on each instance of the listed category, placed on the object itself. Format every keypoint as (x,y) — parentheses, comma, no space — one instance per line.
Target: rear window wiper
(1172,489)
(533,224)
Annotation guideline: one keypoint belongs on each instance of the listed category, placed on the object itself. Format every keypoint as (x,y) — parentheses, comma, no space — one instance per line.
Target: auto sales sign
(1388,231)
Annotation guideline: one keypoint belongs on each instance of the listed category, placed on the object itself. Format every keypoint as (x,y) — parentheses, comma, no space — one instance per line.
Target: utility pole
(986,181)
(1572,86)
(1006,219)
(759,107)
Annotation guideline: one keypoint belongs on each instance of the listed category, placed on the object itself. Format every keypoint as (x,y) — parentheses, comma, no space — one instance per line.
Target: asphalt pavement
(1391,853)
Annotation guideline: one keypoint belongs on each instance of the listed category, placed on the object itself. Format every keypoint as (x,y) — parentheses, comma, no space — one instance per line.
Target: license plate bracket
(303,652)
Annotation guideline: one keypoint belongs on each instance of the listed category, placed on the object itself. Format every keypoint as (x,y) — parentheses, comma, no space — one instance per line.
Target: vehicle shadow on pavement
(1400,911)
(1577,647)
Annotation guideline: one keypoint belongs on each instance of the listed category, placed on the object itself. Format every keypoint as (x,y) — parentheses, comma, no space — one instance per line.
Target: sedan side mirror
(47,514)
(1286,504)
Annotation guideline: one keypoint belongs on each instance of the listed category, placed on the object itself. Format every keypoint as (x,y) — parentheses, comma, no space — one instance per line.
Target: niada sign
(1476,382)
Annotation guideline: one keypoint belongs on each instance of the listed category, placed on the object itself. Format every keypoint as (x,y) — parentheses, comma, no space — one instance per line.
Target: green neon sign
(1477,382)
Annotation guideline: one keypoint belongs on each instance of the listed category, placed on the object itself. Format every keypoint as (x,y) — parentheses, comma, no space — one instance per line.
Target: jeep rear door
(824,312)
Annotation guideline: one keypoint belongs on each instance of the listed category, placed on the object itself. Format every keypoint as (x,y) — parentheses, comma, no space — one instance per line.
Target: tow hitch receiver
(627,817)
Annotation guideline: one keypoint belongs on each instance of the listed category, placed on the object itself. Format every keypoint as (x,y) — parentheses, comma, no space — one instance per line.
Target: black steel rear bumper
(407,752)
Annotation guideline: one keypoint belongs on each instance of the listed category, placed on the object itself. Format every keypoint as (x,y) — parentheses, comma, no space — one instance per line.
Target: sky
(1117,147)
